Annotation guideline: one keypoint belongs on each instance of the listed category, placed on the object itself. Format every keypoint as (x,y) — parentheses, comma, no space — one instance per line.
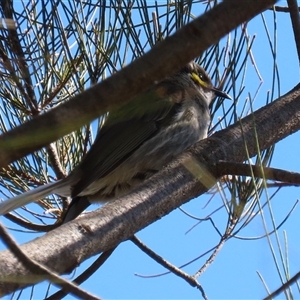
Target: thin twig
(86,274)
(282,8)
(55,162)
(283,287)
(30,226)
(224,238)
(192,281)
(14,41)
(294,14)
(232,168)
(40,270)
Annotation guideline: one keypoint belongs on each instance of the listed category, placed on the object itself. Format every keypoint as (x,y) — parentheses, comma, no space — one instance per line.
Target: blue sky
(233,273)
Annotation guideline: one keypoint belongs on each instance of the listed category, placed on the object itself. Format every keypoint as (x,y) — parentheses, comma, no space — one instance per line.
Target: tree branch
(39,271)
(294,14)
(283,287)
(172,268)
(192,174)
(232,168)
(282,8)
(178,49)
(85,275)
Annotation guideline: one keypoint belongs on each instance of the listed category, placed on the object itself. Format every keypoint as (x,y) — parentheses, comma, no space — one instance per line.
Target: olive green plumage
(136,141)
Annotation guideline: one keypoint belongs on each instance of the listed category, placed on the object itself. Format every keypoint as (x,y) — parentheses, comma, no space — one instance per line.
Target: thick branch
(294,13)
(233,168)
(192,174)
(187,43)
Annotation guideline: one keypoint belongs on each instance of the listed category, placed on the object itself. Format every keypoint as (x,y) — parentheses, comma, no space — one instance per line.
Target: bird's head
(203,82)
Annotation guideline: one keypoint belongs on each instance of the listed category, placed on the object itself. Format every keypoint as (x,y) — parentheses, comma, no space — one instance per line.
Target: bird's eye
(203,77)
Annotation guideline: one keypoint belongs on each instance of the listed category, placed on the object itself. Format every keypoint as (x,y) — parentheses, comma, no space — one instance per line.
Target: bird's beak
(220,93)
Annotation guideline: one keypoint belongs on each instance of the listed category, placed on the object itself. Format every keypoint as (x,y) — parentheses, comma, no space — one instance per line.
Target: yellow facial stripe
(197,79)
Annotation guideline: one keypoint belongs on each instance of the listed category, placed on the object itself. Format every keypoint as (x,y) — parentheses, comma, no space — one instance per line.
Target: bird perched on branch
(135,142)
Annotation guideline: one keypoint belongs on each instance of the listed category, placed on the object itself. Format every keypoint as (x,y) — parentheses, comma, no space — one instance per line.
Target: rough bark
(178,49)
(192,174)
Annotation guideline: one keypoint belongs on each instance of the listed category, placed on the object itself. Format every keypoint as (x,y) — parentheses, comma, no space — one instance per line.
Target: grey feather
(37,193)
(135,142)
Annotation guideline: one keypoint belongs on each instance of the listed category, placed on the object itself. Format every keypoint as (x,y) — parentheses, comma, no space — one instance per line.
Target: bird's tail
(31,196)
(76,207)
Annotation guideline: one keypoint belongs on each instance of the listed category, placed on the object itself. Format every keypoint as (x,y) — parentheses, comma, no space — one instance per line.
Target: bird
(136,141)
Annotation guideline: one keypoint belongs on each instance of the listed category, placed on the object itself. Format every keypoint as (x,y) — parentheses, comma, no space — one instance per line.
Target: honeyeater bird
(135,142)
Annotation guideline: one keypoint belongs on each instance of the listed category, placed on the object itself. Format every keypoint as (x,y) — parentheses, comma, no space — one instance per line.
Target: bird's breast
(188,126)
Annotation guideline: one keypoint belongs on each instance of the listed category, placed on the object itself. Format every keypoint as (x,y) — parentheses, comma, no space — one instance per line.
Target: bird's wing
(125,130)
